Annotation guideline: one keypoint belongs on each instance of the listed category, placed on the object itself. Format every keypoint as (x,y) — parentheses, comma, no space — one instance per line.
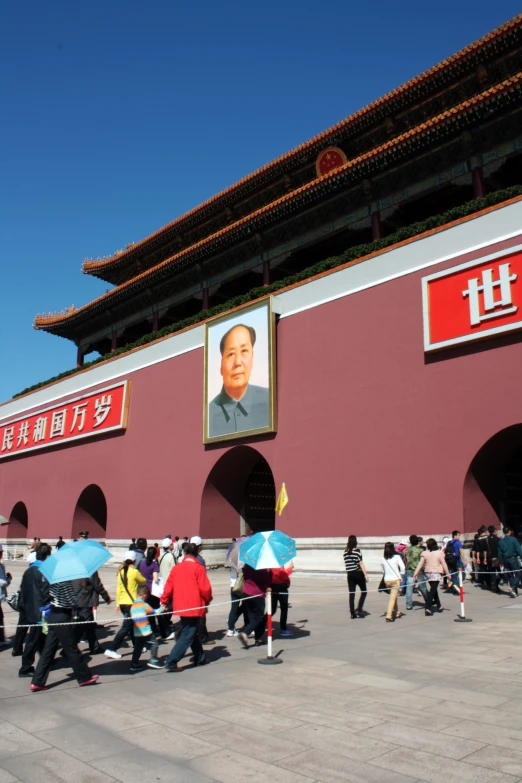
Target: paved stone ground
(423,699)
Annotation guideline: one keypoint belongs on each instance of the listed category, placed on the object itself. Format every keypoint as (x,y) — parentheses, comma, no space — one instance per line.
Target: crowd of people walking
(162,594)
(414,565)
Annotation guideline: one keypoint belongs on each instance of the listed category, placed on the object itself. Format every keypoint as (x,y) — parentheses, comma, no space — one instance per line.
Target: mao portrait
(240,374)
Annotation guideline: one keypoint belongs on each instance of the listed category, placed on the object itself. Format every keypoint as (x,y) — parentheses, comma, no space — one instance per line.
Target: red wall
(374,439)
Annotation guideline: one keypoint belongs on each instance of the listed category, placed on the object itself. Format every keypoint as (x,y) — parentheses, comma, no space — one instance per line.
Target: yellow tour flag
(282,500)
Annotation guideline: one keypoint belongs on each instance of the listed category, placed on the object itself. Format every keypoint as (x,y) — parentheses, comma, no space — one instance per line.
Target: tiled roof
(47,321)
(430,232)
(94,267)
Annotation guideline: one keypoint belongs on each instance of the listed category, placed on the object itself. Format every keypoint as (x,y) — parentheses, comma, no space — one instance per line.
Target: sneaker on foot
(513,594)
(112,654)
(286,633)
(252,635)
(232,633)
(93,680)
(136,667)
(154,664)
(174,668)
(36,688)
(171,637)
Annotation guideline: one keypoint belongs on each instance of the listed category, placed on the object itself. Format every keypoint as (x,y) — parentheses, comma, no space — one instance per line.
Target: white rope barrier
(118,618)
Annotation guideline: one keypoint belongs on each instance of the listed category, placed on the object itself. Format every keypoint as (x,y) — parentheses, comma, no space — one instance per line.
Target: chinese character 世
(79,416)
(23,434)
(102,408)
(487,288)
(40,427)
(58,423)
(7,442)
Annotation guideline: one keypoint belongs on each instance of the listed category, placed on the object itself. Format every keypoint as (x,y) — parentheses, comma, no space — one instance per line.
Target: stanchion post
(270,660)
(461,618)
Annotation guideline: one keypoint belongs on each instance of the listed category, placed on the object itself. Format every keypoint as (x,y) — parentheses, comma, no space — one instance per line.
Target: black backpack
(449,552)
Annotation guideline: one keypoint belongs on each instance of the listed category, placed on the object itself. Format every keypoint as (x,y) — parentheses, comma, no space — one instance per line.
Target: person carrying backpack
(412,557)
(483,557)
(455,559)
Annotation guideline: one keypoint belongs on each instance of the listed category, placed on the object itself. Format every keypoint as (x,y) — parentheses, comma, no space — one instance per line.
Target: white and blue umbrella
(77,560)
(267,550)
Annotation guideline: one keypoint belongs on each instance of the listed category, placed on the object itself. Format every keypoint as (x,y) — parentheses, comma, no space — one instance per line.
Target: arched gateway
(90,513)
(18,521)
(239,490)
(493,484)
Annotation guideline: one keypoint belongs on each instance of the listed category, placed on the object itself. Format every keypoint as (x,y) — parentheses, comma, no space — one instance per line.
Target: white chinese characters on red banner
(472,301)
(100,412)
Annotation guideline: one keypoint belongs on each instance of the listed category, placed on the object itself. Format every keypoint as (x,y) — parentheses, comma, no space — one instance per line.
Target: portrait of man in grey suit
(240,405)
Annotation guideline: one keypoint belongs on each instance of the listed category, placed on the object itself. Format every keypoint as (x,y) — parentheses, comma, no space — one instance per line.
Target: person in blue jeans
(189,589)
(412,556)
(509,550)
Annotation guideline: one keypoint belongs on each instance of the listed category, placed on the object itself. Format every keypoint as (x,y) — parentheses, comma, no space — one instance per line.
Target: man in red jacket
(191,592)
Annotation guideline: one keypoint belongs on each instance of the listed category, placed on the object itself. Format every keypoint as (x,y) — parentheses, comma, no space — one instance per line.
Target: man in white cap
(166,563)
(166,560)
(202,629)
(198,541)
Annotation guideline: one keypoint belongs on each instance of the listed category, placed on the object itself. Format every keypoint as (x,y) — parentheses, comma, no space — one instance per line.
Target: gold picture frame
(223,414)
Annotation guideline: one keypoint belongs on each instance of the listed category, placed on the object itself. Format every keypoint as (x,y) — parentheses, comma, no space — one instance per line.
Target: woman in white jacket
(392,568)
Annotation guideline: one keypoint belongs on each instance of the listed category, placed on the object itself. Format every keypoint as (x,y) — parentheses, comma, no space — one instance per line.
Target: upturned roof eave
(53,322)
(105,266)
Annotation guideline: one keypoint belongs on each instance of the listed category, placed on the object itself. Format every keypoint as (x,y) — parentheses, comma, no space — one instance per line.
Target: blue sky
(118,117)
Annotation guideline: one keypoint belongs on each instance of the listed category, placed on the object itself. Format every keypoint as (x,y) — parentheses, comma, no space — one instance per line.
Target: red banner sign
(84,417)
(472,301)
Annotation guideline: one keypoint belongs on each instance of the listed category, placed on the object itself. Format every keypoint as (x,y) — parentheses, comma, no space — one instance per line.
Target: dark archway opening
(18,521)
(90,513)
(239,491)
(493,485)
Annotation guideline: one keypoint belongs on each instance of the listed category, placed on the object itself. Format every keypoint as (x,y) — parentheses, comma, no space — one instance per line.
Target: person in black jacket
(88,592)
(34,593)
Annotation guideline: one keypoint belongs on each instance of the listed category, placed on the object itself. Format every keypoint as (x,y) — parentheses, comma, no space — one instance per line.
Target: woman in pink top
(434,564)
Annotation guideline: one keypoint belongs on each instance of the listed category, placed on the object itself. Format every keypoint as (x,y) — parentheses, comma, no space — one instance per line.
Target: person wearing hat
(127,583)
(166,560)
(198,541)
(202,629)
(84,535)
(166,563)
(5,581)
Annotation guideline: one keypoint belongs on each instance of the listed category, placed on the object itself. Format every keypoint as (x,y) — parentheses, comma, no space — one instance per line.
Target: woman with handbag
(127,583)
(150,570)
(392,569)
(356,576)
(434,564)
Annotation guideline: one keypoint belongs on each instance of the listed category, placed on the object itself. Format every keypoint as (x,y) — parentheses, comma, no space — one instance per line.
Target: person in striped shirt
(61,633)
(140,611)
(357,576)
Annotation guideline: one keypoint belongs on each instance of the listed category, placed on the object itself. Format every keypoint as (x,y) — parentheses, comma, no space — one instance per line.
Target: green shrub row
(351,254)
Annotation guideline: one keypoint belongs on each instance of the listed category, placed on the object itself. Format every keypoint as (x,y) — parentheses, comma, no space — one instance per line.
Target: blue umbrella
(267,550)
(78,560)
